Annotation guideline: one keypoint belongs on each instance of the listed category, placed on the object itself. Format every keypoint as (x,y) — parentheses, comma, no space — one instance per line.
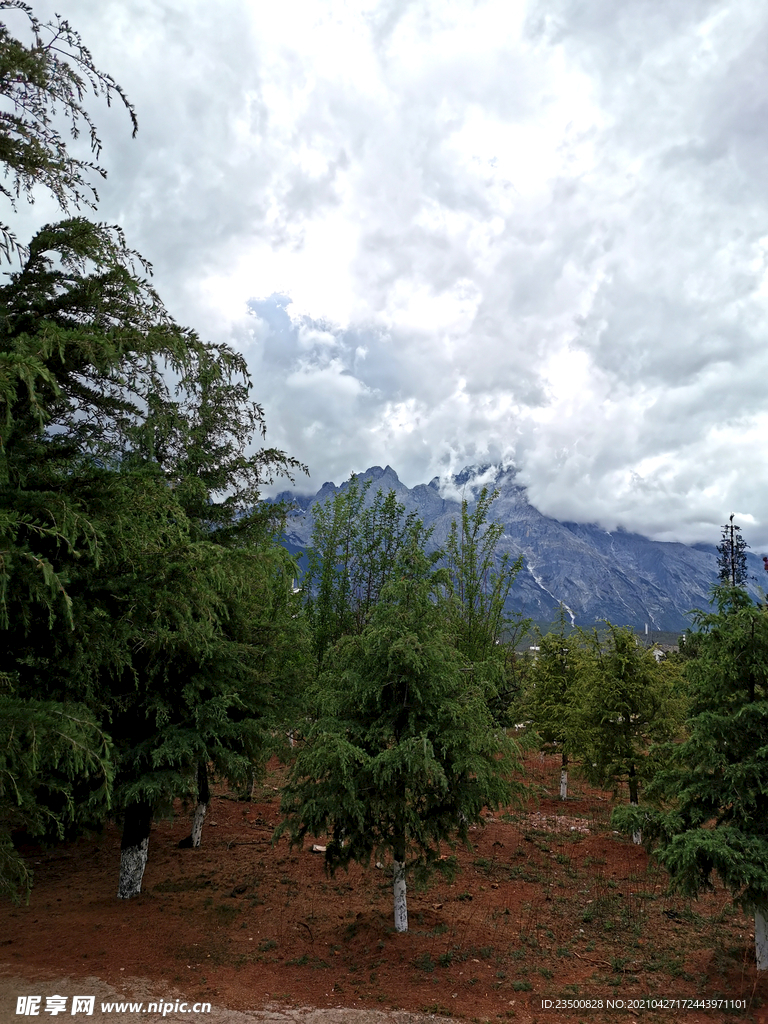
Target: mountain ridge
(597,574)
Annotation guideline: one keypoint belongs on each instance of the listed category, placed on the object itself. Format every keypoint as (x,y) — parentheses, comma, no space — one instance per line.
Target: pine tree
(211,650)
(403,753)
(713,796)
(181,644)
(732,556)
(552,685)
(625,702)
(56,763)
(132,541)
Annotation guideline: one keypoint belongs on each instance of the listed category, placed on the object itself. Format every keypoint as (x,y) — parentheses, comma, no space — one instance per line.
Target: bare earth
(549,905)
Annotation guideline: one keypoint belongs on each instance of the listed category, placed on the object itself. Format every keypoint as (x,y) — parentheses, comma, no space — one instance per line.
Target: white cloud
(472,230)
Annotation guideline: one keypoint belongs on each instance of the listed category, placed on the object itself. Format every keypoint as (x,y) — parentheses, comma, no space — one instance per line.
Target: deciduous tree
(354,549)
(477,590)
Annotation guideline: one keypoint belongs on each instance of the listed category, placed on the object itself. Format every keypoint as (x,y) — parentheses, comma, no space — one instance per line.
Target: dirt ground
(549,905)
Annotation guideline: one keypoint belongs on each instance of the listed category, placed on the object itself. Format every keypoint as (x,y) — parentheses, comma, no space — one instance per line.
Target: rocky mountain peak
(620,576)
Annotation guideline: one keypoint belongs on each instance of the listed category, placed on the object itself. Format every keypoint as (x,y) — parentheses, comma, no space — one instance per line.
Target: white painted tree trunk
(197,823)
(761,942)
(637,837)
(401,906)
(133,860)
(563,783)
(203,799)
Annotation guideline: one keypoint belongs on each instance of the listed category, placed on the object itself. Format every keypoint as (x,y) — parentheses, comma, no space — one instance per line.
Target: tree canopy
(146,607)
(626,702)
(38,81)
(353,554)
(713,793)
(402,752)
(732,556)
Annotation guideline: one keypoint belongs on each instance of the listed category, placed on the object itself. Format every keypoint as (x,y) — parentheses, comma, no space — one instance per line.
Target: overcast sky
(455,231)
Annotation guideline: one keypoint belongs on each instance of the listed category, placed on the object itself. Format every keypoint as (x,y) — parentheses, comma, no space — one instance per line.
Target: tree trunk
(401,905)
(637,837)
(761,941)
(133,849)
(564,778)
(203,799)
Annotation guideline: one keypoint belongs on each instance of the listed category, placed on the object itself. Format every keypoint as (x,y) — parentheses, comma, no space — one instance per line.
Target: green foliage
(186,649)
(56,765)
(83,346)
(403,752)
(143,596)
(86,341)
(713,795)
(55,770)
(626,701)
(208,653)
(51,76)
(477,586)
(552,694)
(732,556)
(477,590)
(201,439)
(355,547)
(604,700)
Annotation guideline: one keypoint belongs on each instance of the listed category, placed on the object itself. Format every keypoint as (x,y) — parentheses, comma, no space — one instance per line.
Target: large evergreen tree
(402,753)
(49,747)
(175,572)
(142,594)
(714,792)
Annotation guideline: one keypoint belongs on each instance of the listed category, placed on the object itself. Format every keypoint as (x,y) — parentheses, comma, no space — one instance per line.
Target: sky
(452,232)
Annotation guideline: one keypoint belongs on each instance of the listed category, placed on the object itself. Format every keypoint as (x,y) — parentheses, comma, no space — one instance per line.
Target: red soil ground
(550,904)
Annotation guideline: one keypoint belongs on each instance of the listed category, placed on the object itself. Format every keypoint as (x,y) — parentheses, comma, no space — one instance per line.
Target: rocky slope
(619,576)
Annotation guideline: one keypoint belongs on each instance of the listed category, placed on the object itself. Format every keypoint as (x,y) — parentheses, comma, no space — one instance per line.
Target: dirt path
(142,990)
